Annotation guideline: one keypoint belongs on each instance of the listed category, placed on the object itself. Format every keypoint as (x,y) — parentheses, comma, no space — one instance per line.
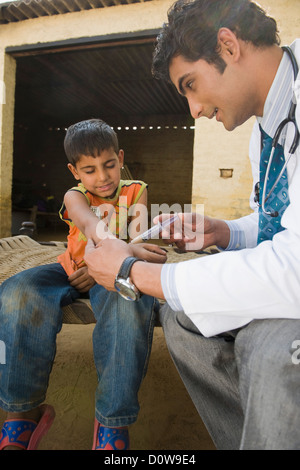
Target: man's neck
(267,61)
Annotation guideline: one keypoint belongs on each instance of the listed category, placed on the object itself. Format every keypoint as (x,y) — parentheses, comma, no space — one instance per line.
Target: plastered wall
(7,78)
(214,148)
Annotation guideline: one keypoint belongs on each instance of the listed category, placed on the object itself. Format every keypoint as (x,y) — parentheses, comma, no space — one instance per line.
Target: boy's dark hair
(193,26)
(89,137)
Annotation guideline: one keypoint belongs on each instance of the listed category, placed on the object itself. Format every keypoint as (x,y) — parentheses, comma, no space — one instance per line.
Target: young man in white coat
(232,320)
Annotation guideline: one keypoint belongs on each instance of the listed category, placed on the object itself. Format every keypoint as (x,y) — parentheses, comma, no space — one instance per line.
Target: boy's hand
(148,252)
(81,280)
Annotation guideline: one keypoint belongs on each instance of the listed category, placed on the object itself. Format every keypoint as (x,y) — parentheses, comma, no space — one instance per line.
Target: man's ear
(229,45)
(73,171)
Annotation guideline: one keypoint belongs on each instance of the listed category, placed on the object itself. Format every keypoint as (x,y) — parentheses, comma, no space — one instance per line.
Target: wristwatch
(122,282)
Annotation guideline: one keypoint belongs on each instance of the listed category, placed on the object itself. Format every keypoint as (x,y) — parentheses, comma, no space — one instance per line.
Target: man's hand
(105,259)
(192,232)
(81,280)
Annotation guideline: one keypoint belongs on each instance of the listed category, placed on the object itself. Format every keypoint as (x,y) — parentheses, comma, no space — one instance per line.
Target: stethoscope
(291,118)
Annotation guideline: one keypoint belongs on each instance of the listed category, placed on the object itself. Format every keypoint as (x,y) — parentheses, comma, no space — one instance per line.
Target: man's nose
(196,108)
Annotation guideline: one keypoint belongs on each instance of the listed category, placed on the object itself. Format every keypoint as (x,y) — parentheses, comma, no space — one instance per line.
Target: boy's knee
(16,293)
(15,285)
(11,288)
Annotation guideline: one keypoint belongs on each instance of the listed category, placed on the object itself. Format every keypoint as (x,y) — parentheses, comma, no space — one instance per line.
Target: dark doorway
(57,86)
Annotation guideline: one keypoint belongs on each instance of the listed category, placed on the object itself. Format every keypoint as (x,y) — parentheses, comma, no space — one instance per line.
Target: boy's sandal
(110,438)
(26,433)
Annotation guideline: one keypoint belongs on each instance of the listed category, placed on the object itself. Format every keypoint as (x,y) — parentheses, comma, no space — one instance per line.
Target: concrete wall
(7,78)
(214,148)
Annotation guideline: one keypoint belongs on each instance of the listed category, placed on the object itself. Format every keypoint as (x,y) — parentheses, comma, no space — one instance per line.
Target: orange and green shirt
(114,210)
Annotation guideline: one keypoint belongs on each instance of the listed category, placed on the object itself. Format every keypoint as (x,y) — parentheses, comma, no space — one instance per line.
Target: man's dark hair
(89,137)
(193,27)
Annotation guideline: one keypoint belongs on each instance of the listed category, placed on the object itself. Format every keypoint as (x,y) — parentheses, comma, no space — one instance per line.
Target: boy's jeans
(31,317)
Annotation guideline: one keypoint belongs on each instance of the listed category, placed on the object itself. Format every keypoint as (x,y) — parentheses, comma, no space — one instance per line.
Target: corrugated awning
(26,9)
(65,81)
(64,87)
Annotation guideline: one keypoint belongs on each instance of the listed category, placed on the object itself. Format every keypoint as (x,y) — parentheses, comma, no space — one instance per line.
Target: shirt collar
(279,97)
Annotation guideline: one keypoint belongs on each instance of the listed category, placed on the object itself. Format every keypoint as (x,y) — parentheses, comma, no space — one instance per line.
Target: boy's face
(100,175)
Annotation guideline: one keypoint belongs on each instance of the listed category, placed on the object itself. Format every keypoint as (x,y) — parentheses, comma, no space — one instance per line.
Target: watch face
(126,289)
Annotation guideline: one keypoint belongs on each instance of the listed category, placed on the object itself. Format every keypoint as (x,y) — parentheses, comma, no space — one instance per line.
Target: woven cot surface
(21,252)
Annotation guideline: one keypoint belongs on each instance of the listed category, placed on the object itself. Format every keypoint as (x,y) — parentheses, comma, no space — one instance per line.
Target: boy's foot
(24,433)
(110,438)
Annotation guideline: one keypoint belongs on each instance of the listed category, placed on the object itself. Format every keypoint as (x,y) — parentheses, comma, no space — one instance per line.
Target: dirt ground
(167,419)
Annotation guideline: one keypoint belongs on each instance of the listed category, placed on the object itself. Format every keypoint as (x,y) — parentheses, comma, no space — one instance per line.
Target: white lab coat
(226,291)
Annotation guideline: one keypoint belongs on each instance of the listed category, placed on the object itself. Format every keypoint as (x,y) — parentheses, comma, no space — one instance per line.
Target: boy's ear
(229,45)
(73,171)
(121,157)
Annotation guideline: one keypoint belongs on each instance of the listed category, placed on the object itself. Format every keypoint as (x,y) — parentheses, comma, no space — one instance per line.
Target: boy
(234,350)
(31,301)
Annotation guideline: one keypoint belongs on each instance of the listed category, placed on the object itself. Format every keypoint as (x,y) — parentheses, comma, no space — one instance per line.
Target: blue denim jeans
(31,317)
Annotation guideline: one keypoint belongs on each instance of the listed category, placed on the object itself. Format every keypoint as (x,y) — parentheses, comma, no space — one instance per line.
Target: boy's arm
(81,215)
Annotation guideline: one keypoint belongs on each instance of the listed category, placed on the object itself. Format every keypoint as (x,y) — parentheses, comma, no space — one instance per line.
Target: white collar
(279,98)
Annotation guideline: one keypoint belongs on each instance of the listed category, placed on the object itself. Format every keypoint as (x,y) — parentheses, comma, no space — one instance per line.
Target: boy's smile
(100,175)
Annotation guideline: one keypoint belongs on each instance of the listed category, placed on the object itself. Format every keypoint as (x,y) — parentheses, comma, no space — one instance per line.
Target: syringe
(154,231)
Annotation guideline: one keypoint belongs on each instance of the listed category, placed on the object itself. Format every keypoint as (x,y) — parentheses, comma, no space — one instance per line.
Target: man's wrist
(222,234)
(147,278)
(123,283)
(134,277)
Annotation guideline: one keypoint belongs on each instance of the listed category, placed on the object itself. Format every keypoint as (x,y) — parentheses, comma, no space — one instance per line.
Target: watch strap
(126,267)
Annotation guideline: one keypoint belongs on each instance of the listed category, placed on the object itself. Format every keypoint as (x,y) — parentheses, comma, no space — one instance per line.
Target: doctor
(232,320)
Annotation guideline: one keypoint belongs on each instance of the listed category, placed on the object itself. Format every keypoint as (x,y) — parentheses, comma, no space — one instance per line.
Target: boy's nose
(101,175)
